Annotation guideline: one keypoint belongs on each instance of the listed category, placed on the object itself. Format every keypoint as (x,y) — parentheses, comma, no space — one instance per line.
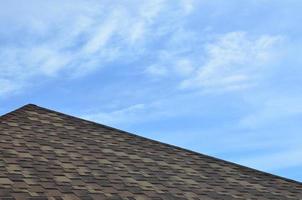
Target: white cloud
(45,60)
(78,38)
(231,61)
(74,37)
(104,33)
(234,61)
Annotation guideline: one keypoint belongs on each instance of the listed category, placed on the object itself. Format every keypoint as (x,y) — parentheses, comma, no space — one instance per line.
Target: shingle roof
(49,155)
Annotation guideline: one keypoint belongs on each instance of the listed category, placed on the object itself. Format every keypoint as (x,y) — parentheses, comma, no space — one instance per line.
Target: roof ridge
(158,142)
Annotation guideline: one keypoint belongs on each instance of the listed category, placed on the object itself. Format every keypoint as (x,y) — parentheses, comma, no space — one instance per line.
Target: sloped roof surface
(49,155)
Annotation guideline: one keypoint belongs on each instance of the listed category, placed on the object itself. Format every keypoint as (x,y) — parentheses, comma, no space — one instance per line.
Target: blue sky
(218,77)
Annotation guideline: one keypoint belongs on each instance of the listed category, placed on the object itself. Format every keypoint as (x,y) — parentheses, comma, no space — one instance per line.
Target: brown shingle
(46,154)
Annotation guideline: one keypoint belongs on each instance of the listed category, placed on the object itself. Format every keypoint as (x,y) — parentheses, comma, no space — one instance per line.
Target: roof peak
(22,108)
(29,105)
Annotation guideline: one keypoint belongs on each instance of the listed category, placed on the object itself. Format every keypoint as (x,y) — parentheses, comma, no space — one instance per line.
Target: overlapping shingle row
(49,155)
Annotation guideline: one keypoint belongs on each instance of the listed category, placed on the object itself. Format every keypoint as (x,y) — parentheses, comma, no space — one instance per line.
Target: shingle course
(48,155)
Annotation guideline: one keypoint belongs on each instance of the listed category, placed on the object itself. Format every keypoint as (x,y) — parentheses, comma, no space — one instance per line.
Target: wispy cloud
(77,38)
(224,62)
(234,61)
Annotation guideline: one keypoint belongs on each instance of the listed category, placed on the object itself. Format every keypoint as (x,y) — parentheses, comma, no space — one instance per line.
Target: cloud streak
(76,39)
(234,61)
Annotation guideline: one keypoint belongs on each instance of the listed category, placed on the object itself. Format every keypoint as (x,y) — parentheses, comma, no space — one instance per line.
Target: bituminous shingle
(48,155)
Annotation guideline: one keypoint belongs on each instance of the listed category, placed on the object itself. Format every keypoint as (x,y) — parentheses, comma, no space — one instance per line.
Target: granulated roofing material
(49,155)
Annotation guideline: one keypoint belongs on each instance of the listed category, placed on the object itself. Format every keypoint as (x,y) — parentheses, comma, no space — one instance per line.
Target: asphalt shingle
(49,155)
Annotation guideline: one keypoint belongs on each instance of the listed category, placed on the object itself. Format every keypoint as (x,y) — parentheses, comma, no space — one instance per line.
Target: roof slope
(46,154)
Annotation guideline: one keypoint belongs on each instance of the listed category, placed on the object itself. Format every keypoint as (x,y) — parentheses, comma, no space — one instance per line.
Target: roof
(49,155)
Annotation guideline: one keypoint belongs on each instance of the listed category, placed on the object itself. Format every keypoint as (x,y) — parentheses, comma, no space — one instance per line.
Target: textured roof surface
(49,155)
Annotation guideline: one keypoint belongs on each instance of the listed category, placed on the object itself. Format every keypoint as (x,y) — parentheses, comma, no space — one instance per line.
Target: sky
(218,77)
